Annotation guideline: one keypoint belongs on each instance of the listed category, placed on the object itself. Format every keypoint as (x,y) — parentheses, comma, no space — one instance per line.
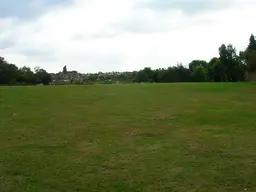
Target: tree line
(227,67)
(10,74)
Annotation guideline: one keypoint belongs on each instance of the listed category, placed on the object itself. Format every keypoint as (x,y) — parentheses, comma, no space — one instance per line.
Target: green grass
(138,137)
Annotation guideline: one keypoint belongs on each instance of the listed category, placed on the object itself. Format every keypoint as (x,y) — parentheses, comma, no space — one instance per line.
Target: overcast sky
(120,35)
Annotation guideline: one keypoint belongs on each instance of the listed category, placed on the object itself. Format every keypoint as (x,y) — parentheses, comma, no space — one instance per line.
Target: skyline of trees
(227,67)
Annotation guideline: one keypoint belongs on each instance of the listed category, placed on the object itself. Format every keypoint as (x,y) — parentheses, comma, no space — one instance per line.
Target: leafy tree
(252,44)
(249,55)
(133,76)
(150,73)
(26,76)
(214,70)
(199,74)
(42,76)
(122,77)
(8,72)
(142,76)
(231,64)
(196,63)
(92,77)
(183,73)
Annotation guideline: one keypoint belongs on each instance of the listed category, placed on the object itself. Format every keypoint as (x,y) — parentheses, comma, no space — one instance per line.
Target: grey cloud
(38,53)
(104,35)
(6,38)
(139,27)
(26,9)
(4,43)
(101,35)
(187,6)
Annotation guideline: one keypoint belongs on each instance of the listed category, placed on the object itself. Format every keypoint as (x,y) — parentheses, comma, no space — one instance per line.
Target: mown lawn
(138,137)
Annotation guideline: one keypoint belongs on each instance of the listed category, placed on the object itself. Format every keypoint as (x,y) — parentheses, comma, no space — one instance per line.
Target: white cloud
(99,35)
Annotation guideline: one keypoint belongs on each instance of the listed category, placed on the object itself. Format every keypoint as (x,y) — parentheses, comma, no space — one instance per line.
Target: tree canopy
(249,55)
(12,75)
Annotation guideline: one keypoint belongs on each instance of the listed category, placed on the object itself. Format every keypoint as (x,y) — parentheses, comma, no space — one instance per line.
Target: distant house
(66,80)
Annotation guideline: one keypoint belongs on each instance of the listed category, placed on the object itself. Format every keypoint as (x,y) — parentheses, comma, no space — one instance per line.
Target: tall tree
(199,74)
(26,76)
(142,76)
(8,72)
(198,70)
(65,69)
(149,73)
(196,63)
(42,76)
(252,44)
(215,71)
(249,55)
(231,64)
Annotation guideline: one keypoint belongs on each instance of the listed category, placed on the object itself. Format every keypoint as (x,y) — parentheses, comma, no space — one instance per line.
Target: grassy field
(138,137)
